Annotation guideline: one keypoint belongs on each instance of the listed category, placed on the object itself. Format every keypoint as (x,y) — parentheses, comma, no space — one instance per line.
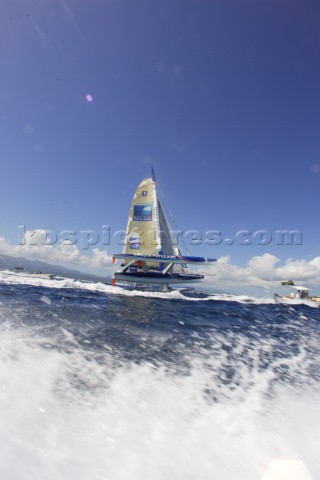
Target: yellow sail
(142,234)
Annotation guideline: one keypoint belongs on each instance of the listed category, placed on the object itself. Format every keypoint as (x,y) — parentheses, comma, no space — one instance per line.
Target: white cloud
(37,245)
(262,272)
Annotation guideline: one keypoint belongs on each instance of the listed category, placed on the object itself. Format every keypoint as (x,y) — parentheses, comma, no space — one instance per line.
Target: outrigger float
(151,253)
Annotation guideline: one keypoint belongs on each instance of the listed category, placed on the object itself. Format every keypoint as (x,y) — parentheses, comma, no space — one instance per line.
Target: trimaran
(151,253)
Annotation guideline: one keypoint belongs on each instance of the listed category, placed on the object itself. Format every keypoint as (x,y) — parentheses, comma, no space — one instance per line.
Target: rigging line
(171,215)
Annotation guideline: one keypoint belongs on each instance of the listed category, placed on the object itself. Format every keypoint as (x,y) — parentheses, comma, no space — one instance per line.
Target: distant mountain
(9,263)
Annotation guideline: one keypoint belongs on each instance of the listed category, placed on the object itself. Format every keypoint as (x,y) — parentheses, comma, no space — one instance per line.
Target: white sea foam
(66,416)
(35,280)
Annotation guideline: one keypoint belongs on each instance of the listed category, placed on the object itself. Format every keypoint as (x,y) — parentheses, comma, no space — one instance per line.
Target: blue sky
(221,97)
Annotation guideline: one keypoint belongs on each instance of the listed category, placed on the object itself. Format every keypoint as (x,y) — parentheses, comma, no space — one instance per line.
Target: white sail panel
(168,242)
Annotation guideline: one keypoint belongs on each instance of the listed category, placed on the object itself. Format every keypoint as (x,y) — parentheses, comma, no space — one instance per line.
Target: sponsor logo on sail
(134,241)
(142,213)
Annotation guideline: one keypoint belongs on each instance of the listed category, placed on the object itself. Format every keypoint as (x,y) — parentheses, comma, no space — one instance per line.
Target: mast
(156,211)
(153,175)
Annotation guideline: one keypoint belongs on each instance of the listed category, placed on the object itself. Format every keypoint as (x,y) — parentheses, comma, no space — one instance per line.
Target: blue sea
(100,383)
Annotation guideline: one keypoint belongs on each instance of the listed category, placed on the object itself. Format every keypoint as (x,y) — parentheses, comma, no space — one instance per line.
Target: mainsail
(148,230)
(142,237)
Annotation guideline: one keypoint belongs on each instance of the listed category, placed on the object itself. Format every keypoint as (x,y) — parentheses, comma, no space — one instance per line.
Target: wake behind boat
(151,253)
(19,271)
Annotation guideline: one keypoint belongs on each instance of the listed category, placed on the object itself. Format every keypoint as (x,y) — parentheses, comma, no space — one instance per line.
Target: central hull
(156,278)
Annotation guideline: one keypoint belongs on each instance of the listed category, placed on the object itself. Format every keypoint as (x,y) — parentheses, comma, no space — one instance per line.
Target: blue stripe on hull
(163,258)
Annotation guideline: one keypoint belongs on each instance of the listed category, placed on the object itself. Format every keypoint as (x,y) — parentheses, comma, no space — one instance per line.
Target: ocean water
(98,383)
